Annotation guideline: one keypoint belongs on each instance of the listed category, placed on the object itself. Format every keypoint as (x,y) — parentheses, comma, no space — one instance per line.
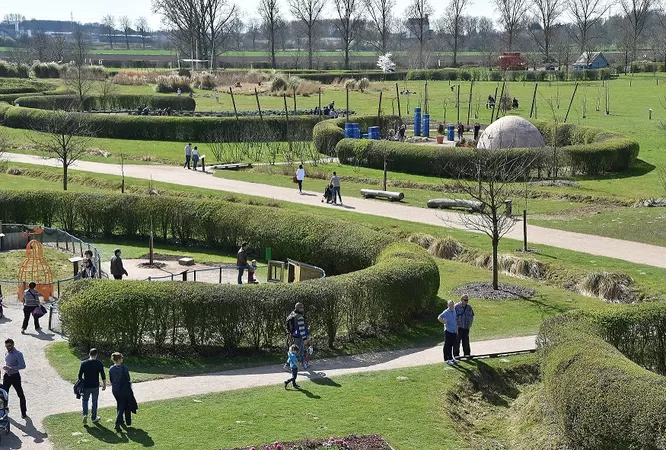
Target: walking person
(217,96)
(292,361)
(117,268)
(241,261)
(299,332)
(335,181)
(90,371)
(300,176)
(30,302)
(464,319)
(448,318)
(121,387)
(195,157)
(14,362)
(188,155)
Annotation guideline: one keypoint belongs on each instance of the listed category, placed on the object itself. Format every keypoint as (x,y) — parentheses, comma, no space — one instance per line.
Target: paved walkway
(48,394)
(634,252)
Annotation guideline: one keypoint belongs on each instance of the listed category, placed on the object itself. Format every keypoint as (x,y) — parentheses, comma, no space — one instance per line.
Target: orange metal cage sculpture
(35,268)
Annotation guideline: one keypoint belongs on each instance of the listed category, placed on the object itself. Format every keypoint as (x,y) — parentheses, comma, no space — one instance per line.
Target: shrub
(205,80)
(363,84)
(9,70)
(164,128)
(184,73)
(446,248)
(350,84)
(610,286)
(402,283)
(422,240)
(110,102)
(15,86)
(279,84)
(46,70)
(598,397)
(327,133)
(171,83)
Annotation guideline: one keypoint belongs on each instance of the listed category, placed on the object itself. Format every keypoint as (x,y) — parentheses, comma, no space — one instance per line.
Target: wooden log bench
(393,196)
(232,166)
(469,205)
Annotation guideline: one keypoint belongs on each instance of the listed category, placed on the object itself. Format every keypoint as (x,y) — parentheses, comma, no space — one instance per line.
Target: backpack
(291,324)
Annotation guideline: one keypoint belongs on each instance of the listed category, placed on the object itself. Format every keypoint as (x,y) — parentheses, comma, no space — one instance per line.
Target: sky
(94,10)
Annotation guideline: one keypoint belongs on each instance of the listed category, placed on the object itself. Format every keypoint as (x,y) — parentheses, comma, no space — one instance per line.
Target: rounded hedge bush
(113,101)
(599,396)
(169,128)
(136,315)
(585,150)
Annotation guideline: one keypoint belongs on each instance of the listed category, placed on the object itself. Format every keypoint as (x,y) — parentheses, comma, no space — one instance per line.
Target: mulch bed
(366,442)
(484,290)
(155,265)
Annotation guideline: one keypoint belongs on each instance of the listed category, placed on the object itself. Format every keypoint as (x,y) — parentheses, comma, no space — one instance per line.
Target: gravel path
(48,394)
(635,252)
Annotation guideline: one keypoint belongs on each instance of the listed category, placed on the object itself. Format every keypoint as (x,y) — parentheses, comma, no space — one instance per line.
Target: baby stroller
(328,194)
(4,413)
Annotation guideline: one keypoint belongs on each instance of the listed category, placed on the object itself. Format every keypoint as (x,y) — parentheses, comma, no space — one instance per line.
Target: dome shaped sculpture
(511,132)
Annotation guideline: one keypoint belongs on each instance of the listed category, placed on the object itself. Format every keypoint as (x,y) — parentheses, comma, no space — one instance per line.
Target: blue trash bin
(417,121)
(451,133)
(373,133)
(426,125)
(349,130)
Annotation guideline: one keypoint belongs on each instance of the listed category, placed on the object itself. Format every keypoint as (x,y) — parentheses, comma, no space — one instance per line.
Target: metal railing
(220,274)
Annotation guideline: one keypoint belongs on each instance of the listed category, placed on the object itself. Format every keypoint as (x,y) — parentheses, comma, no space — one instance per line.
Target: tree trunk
(310,47)
(347,56)
(495,263)
(273,61)
(64,176)
(127,41)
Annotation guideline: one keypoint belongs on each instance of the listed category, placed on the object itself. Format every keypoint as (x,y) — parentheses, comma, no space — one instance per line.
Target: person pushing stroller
(328,194)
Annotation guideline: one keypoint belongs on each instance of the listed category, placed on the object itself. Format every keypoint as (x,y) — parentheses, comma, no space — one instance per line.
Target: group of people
(332,191)
(242,265)
(457,320)
(191,155)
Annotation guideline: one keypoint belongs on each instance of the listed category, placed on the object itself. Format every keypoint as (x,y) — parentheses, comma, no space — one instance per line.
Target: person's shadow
(308,394)
(29,430)
(140,437)
(101,433)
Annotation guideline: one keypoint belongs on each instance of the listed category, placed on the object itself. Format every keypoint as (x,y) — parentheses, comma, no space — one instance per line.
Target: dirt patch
(155,265)
(588,210)
(366,442)
(484,290)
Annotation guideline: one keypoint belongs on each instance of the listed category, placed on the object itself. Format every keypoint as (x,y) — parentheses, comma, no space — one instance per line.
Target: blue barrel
(451,133)
(417,121)
(366,136)
(373,133)
(349,127)
(426,125)
(357,131)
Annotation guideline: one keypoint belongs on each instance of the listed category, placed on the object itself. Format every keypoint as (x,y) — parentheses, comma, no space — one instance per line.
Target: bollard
(509,207)
(650,114)
(203,163)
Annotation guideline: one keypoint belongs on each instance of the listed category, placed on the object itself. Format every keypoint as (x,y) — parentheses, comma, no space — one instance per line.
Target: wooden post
(319,100)
(256,95)
(379,108)
(294,102)
(347,111)
(425,98)
(397,94)
(533,99)
(233,101)
(385,166)
(286,118)
(608,98)
(469,105)
(571,103)
(524,230)
(151,244)
(458,103)
(492,112)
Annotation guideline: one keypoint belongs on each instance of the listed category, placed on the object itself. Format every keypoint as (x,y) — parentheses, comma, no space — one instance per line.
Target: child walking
(292,359)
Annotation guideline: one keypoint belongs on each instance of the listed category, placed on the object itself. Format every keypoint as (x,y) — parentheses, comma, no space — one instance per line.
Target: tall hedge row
(135,316)
(586,151)
(165,128)
(599,396)
(337,246)
(327,133)
(109,102)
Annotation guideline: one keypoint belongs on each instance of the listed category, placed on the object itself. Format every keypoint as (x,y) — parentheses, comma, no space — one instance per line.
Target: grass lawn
(11,261)
(412,417)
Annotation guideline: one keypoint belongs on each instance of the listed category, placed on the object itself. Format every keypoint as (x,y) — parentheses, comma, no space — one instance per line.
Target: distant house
(591,60)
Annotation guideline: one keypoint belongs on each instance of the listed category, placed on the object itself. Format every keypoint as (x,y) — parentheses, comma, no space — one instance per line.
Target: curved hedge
(135,315)
(585,150)
(599,396)
(337,246)
(113,101)
(327,133)
(169,128)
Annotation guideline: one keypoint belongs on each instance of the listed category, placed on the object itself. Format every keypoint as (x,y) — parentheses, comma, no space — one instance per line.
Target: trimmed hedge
(327,133)
(15,86)
(169,128)
(599,397)
(337,246)
(139,315)
(585,150)
(114,101)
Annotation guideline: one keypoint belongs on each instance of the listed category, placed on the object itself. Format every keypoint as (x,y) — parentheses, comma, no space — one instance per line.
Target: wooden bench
(469,205)
(232,166)
(186,261)
(393,196)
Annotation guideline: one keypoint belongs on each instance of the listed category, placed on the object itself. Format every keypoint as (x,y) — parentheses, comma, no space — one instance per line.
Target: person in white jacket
(300,176)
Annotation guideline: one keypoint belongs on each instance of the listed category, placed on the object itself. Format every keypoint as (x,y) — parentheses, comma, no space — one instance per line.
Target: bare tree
(418,23)
(13,18)
(380,18)
(236,30)
(637,13)
(254,30)
(308,14)
(585,14)
(58,48)
(511,17)
(126,26)
(546,12)
(78,76)
(64,135)
(142,27)
(109,27)
(489,176)
(452,24)
(270,15)
(347,24)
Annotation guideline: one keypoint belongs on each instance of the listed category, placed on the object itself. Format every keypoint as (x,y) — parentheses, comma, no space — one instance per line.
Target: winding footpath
(634,252)
(49,394)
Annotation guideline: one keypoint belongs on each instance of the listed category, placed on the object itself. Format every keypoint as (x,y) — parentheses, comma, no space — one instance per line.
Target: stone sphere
(510,132)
